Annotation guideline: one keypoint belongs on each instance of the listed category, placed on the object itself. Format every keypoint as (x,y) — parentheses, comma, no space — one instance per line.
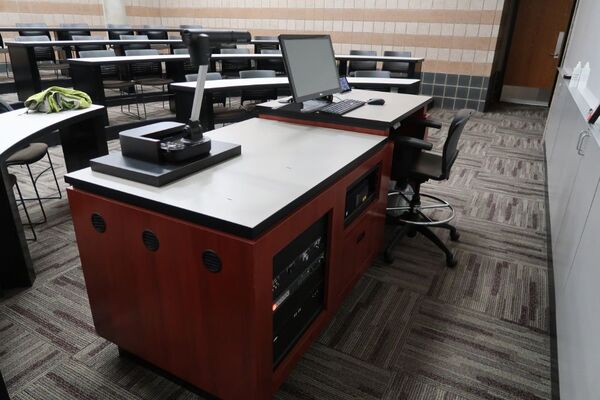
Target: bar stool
(31,154)
(14,183)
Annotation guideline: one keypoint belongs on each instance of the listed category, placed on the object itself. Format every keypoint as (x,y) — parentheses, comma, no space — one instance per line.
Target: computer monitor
(310,64)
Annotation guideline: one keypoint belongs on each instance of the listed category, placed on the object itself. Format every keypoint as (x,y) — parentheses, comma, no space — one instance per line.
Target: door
(578,320)
(576,213)
(535,51)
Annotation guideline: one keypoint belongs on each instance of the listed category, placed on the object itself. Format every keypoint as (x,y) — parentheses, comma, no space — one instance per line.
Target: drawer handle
(360,237)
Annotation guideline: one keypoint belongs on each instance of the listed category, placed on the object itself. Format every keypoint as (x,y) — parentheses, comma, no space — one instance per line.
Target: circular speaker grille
(150,240)
(211,260)
(98,223)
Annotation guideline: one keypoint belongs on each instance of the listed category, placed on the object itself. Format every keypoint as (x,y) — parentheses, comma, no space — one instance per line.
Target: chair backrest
(144,68)
(88,47)
(190,26)
(45,53)
(211,76)
(373,74)
(68,35)
(270,51)
(362,65)
(107,70)
(135,46)
(181,51)
(235,51)
(450,152)
(33,32)
(396,66)
(155,32)
(257,73)
(263,37)
(116,30)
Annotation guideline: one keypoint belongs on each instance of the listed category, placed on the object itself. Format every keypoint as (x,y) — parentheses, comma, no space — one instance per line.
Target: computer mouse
(376,102)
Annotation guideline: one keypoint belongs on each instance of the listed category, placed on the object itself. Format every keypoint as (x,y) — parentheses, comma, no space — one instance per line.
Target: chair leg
(39,199)
(454,235)
(143,102)
(428,233)
(26,213)
(399,233)
(54,175)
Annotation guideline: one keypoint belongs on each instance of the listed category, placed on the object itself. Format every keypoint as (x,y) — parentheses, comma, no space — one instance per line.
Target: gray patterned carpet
(412,330)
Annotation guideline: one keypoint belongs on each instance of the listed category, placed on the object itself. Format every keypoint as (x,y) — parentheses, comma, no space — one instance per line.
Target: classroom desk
(184,92)
(82,137)
(212,329)
(25,68)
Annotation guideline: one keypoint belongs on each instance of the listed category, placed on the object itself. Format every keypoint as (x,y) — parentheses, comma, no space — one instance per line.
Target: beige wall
(455,36)
(51,12)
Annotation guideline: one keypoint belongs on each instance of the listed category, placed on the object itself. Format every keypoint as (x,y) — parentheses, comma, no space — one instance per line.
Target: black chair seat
(153,81)
(428,166)
(30,154)
(117,84)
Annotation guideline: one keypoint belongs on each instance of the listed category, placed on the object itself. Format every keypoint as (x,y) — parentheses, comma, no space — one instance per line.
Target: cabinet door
(576,213)
(561,94)
(563,167)
(578,317)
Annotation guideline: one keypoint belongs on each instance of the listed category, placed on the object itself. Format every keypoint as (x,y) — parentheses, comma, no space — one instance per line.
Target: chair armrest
(412,142)
(4,106)
(429,123)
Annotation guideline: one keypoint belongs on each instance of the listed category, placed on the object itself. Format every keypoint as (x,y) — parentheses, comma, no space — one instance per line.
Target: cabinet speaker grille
(211,260)
(98,223)
(150,240)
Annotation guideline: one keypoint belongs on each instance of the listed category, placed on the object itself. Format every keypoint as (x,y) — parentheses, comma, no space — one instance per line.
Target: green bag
(56,99)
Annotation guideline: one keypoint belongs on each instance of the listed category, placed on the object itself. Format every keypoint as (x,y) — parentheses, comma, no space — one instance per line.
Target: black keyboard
(342,107)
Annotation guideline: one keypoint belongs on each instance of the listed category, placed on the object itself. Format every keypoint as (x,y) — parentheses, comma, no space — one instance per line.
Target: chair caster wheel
(451,262)
(454,236)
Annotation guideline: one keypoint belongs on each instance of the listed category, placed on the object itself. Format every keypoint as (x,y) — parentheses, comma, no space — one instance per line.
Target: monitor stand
(316,104)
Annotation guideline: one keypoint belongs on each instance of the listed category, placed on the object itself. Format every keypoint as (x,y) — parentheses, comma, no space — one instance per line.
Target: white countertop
(280,163)
(282,81)
(19,125)
(397,105)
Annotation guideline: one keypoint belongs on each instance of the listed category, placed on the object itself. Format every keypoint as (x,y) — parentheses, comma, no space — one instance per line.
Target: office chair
(4,51)
(147,73)
(26,156)
(188,67)
(261,95)
(233,67)
(75,29)
(28,31)
(414,164)
(116,30)
(44,56)
(264,46)
(154,32)
(361,65)
(274,64)
(134,46)
(398,69)
(374,74)
(112,79)
(88,47)
(211,76)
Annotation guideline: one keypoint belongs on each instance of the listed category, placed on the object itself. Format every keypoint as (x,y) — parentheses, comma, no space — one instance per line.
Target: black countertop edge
(219,224)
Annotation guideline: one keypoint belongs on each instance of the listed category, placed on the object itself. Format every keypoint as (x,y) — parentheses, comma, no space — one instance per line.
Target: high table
(217,235)
(184,92)
(208,254)
(25,68)
(82,137)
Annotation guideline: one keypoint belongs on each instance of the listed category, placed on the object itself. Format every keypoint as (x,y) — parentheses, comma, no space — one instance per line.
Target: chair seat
(428,166)
(117,84)
(30,154)
(53,67)
(153,81)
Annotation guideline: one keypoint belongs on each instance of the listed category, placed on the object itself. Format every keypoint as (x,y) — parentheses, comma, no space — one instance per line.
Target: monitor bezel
(311,96)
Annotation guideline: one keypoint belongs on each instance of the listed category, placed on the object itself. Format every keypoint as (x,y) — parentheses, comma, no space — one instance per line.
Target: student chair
(398,69)
(44,55)
(414,164)
(261,95)
(361,65)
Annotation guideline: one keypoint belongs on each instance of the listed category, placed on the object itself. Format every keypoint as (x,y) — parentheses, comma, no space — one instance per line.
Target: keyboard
(342,107)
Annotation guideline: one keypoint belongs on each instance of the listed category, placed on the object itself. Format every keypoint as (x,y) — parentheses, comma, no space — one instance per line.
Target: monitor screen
(310,65)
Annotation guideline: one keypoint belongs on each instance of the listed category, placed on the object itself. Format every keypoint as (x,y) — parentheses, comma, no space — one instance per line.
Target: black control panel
(361,193)
(298,286)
